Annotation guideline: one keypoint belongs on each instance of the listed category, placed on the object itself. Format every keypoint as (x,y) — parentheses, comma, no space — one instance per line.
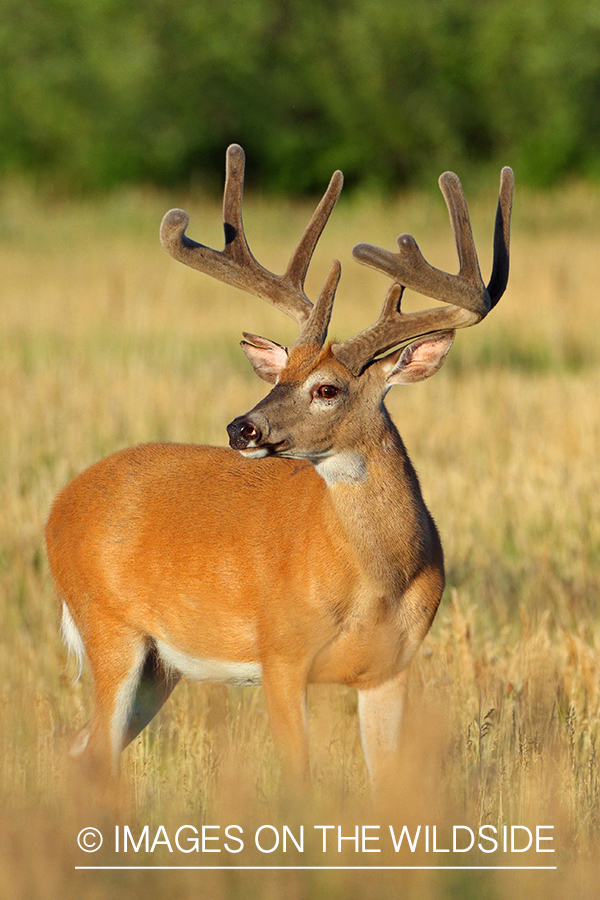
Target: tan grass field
(105,342)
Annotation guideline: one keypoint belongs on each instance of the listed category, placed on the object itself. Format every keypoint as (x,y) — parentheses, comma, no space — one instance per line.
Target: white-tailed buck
(304,553)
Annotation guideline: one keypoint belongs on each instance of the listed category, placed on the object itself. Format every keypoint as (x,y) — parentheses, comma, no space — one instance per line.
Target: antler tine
(235,265)
(314,331)
(500,266)
(452,191)
(236,245)
(468,299)
(300,260)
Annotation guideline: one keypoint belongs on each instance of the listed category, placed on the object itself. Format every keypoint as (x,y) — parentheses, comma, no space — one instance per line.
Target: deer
(303,553)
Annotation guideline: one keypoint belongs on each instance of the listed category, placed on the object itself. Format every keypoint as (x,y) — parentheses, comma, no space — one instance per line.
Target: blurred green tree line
(95,93)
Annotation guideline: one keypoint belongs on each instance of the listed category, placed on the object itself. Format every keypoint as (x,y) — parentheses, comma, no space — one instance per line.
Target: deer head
(317,384)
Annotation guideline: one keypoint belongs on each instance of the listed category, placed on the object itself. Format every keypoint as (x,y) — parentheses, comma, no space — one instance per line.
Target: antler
(235,264)
(470,301)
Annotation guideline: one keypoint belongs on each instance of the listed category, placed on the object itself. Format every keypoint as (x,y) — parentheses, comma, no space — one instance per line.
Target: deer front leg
(285,697)
(380,717)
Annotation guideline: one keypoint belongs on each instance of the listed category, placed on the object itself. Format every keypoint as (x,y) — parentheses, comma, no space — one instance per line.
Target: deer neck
(377,498)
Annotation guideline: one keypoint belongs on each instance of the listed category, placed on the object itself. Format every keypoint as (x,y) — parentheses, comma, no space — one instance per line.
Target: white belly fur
(215,670)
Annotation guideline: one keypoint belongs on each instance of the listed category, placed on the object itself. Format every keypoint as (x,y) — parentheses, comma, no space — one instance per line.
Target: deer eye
(326,391)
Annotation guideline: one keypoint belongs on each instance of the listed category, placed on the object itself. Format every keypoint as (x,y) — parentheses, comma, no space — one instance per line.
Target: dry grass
(105,342)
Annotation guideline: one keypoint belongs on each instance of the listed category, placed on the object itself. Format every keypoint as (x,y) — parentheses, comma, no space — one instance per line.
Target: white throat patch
(346,467)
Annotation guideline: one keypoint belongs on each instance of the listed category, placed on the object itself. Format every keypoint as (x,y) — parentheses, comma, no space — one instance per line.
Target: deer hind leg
(116,671)
(120,715)
(130,686)
(380,718)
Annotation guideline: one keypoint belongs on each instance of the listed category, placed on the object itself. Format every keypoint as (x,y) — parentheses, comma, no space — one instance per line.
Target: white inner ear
(420,359)
(267,357)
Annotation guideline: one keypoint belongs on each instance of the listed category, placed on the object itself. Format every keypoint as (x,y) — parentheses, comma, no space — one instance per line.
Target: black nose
(241,432)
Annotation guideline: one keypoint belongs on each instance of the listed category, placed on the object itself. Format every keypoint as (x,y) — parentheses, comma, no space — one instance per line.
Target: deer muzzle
(243,433)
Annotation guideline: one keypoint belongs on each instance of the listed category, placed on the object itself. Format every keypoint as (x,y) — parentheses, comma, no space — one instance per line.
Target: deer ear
(418,360)
(267,357)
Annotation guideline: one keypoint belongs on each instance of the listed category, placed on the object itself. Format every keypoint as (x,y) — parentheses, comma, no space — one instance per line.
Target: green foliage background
(95,93)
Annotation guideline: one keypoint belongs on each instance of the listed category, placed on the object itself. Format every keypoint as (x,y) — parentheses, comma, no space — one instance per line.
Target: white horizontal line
(330,868)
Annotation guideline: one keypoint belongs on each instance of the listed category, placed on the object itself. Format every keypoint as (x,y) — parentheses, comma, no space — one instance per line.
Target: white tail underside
(72,638)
